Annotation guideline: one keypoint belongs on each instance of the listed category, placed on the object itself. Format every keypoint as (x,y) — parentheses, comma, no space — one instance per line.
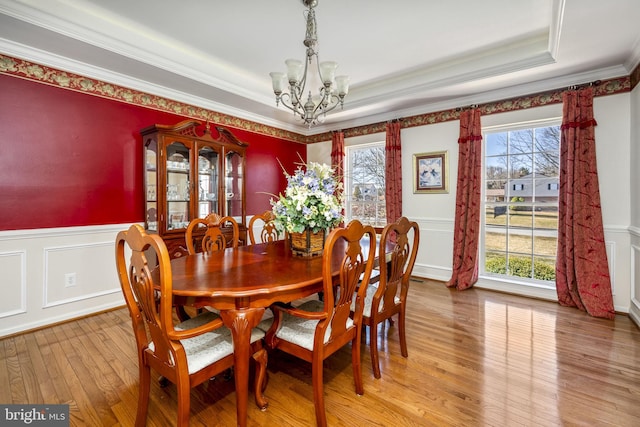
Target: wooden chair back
(355,264)
(268,232)
(389,296)
(207,234)
(396,273)
(146,283)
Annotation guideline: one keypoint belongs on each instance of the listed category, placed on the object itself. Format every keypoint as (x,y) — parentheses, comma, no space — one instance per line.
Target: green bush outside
(521,267)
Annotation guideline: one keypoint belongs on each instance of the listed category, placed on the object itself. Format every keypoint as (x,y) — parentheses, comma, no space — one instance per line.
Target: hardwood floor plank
(476,358)
(16,382)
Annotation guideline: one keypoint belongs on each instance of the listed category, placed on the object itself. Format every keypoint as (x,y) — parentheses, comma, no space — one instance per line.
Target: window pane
(496,144)
(495,239)
(520,165)
(496,215)
(519,243)
(546,218)
(521,141)
(495,262)
(544,268)
(494,190)
(545,245)
(547,163)
(547,138)
(520,217)
(496,167)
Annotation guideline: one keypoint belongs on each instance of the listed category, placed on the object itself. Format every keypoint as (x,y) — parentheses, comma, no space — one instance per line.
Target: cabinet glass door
(178,186)
(151,182)
(234,184)
(208,189)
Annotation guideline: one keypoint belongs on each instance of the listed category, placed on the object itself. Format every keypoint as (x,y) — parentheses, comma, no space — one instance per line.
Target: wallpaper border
(59,78)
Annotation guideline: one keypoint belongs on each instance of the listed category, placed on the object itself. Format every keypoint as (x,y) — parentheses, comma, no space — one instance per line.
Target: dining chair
(316,329)
(389,294)
(187,353)
(207,235)
(268,232)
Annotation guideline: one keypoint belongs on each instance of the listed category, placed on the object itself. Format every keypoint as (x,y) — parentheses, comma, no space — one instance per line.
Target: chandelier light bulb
(294,70)
(277,80)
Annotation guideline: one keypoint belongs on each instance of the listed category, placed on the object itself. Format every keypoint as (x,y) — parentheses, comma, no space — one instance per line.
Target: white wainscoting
(435,254)
(13,266)
(634,308)
(34,265)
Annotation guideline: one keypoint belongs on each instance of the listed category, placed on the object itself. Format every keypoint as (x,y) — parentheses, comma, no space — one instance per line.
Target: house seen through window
(364,192)
(520,196)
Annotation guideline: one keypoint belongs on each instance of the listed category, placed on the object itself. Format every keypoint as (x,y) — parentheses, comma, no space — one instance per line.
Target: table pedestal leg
(241,322)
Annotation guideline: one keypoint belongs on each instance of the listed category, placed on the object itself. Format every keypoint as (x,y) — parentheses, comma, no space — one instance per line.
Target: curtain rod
(583,85)
(572,87)
(468,107)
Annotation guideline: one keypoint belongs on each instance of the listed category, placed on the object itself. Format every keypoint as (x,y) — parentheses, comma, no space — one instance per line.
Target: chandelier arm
(332,103)
(303,81)
(296,108)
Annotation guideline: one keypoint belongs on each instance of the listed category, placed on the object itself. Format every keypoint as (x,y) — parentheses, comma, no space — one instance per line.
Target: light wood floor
(476,358)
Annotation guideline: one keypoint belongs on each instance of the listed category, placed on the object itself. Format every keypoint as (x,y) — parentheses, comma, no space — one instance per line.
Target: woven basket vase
(307,243)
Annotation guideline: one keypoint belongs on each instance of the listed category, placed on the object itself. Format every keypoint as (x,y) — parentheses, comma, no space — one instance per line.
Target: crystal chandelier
(332,91)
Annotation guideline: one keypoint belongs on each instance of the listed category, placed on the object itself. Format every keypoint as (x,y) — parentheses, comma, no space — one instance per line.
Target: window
(364,184)
(520,222)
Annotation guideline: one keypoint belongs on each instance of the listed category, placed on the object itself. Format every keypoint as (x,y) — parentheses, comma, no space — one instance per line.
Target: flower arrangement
(312,200)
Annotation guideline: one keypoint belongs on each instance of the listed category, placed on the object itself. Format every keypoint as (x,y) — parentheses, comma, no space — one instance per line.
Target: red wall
(70,159)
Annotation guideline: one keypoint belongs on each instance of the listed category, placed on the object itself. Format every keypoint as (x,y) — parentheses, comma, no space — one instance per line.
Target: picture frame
(431,172)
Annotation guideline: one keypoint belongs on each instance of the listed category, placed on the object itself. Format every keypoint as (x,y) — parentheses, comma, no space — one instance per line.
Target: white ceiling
(404,57)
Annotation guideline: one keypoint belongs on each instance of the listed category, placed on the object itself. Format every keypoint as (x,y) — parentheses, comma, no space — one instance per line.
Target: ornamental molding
(59,78)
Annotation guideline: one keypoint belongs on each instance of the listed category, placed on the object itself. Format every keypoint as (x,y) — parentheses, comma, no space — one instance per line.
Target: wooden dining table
(242,283)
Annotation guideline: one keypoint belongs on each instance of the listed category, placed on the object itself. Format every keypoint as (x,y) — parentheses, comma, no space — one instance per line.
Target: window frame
(348,181)
(517,280)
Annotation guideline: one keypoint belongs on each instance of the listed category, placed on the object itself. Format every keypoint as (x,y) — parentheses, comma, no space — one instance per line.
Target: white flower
(311,200)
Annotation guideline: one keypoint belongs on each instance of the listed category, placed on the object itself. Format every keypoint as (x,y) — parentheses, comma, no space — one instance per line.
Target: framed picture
(431,172)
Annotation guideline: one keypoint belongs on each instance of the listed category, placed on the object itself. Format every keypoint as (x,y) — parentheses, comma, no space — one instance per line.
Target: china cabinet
(189,173)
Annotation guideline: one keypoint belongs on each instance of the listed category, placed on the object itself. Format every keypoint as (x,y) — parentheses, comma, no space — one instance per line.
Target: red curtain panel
(337,153)
(582,271)
(467,221)
(393,172)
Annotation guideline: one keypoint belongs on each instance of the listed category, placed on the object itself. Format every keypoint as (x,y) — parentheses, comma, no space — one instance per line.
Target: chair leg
(183,389)
(357,367)
(318,390)
(373,346)
(143,394)
(261,378)
(403,335)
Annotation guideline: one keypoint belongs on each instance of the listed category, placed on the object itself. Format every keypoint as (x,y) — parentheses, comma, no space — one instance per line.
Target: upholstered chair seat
(368,301)
(206,349)
(301,331)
